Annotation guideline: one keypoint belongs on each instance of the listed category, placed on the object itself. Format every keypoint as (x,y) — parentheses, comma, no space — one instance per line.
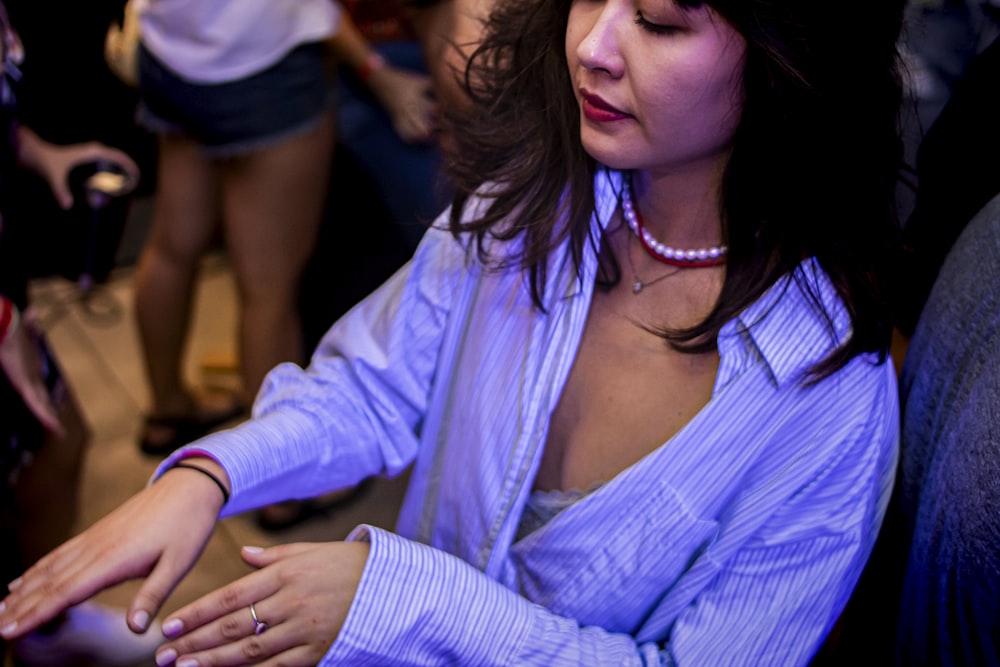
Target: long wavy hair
(812,172)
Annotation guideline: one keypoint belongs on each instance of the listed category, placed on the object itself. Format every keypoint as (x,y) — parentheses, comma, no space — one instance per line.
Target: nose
(599,50)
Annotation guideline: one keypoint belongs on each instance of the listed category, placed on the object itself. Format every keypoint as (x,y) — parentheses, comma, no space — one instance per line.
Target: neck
(666,253)
(683,210)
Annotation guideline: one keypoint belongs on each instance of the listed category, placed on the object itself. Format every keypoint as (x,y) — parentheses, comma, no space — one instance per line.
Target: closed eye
(655,28)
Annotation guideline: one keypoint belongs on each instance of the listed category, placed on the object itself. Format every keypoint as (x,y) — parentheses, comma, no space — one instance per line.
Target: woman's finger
(224,614)
(248,633)
(259,557)
(159,532)
(251,651)
(156,588)
(261,635)
(199,622)
(298,597)
(58,581)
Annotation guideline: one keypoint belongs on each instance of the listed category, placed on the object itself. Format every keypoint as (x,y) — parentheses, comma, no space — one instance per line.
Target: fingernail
(3,607)
(187,662)
(8,629)
(164,658)
(140,619)
(253,550)
(172,627)
(14,585)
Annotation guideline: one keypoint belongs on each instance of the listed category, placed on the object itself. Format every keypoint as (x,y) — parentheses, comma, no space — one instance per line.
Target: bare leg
(273,203)
(184,222)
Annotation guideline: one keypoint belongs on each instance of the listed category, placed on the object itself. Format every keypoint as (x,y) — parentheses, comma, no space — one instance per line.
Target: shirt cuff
(417,605)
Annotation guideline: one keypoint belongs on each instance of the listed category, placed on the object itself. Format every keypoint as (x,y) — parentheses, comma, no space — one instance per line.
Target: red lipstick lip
(597,110)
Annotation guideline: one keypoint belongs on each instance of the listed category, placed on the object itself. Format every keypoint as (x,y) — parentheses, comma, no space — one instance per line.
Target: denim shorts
(236,117)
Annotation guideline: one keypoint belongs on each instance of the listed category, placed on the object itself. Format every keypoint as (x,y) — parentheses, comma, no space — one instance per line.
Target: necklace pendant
(637,287)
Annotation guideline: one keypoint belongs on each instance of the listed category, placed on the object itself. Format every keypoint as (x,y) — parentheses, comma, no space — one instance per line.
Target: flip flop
(184,428)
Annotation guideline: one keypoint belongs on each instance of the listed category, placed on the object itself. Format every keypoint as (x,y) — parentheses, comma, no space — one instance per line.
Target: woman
(237,96)
(623,455)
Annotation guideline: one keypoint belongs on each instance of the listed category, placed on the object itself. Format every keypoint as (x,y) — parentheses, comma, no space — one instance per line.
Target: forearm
(405,95)
(279,457)
(351,414)
(351,48)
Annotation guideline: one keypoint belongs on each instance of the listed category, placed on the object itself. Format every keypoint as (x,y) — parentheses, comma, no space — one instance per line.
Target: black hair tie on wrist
(218,482)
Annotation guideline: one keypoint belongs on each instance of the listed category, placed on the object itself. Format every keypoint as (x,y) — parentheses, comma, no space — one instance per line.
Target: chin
(620,164)
(610,151)
(612,159)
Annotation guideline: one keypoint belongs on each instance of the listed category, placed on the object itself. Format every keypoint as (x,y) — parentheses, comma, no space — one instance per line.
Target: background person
(237,94)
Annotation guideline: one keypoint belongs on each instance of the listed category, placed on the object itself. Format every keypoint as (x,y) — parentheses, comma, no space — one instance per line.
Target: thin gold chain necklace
(637,283)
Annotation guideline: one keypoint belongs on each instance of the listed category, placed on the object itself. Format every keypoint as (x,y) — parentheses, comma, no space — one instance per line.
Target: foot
(163,433)
(90,634)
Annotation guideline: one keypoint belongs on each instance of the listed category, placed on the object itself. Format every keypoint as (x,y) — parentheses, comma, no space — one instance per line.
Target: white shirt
(214,41)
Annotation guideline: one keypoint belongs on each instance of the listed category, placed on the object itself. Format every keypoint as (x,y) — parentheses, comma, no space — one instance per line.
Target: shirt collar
(804,302)
(794,324)
(607,193)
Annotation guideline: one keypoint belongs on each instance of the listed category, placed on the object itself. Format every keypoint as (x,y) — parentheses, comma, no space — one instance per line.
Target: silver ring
(258,625)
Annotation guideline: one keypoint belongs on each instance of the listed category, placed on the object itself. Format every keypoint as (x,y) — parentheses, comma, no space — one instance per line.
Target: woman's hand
(54,162)
(406,96)
(21,364)
(157,534)
(301,592)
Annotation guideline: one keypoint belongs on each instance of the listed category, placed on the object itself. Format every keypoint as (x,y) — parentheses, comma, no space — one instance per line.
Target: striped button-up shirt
(737,542)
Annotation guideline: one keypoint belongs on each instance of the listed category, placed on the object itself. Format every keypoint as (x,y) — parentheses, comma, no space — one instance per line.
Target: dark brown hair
(812,171)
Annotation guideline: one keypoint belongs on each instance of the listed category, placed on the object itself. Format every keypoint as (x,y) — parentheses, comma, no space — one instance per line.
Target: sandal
(183,429)
(303,510)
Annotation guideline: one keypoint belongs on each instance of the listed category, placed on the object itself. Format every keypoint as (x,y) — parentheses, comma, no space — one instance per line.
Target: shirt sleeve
(355,411)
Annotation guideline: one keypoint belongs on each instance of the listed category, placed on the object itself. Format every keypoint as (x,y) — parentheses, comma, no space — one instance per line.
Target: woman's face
(660,88)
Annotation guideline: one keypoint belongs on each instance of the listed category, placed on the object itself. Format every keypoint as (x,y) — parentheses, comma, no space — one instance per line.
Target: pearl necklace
(694,258)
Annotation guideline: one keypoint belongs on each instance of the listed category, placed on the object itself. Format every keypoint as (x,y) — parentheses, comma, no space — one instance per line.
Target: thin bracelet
(222,487)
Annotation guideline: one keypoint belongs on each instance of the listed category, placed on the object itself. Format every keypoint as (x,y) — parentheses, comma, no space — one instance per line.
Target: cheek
(572,43)
(675,94)
(689,112)
(715,96)
(729,103)
(730,76)
(579,23)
